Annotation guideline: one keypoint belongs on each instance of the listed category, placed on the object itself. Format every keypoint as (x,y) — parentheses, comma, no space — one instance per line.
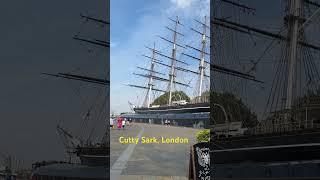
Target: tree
(176,96)
(205,94)
(235,108)
(304,108)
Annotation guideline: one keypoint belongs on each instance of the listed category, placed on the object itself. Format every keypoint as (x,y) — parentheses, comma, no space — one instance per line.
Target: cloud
(190,8)
(181,4)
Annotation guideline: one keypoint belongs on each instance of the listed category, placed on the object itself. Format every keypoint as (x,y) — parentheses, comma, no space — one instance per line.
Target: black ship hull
(305,170)
(298,145)
(282,153)
(67,171)
(94,156)
(190,115)
(288,155)
(189,108)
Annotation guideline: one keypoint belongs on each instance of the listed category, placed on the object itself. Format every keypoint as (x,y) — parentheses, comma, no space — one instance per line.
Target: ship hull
(190,115)
(94,156)
(282,153)
(285,138)
(189,108)
(289,155)
(289,170)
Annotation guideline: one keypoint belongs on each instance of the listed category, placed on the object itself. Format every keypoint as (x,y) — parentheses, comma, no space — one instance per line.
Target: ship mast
(152,72)
(172,71)
(294,18)
(203,53)
(296,25)
(172,74)
(151,76)
(202,56)
(202,62)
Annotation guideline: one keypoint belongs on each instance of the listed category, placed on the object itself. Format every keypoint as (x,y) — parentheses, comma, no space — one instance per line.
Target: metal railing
(200,99)
(285,127)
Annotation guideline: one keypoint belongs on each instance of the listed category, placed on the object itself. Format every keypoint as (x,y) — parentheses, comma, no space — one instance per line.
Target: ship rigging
(85,147)
(175,65)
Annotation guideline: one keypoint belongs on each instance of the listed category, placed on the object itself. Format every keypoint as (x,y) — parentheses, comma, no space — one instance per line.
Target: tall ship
(87,149)
(270,126)
(172,78)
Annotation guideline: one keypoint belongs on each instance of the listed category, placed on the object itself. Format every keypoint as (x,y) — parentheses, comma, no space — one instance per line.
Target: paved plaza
(168,157)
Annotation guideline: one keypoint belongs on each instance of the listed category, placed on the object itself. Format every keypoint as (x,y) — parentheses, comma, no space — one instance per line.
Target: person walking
(111,122)
(129,122)
(123,124)
(119,122)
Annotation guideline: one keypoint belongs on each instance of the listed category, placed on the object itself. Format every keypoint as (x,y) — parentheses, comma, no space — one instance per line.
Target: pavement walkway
(156,160)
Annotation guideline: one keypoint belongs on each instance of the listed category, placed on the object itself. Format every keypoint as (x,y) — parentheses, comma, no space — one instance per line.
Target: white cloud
(182,3)
(190,8)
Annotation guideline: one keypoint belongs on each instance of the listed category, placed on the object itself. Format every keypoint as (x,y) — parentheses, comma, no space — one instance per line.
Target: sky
(36,37)
(136,24)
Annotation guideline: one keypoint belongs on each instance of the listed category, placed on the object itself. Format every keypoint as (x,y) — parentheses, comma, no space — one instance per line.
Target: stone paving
(171,161)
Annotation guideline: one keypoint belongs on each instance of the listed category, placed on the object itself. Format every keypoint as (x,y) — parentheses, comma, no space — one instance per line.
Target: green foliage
(235,108)
(203,136)
(300,109)
(205,94)
(176,96)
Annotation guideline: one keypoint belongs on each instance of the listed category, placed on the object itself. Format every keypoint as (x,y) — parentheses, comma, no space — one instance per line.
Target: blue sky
(136,24)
